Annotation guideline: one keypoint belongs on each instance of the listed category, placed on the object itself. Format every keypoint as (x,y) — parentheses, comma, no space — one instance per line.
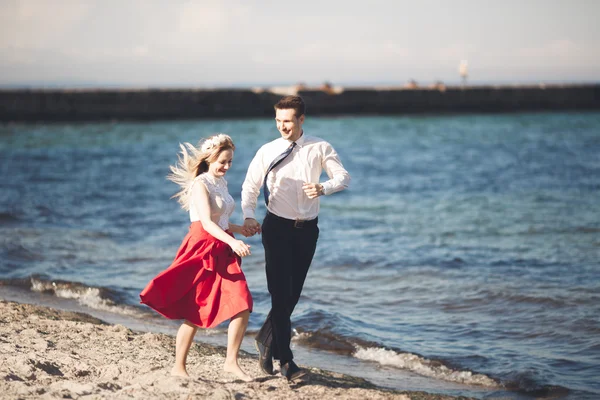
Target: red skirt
(204,285)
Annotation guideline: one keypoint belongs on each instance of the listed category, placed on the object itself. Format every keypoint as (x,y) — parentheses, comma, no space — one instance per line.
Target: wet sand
(47,353)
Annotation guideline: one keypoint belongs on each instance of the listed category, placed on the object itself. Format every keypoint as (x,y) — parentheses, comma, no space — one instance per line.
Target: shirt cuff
(249,213)
(326,188)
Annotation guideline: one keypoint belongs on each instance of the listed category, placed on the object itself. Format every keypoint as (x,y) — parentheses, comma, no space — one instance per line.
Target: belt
(296,223)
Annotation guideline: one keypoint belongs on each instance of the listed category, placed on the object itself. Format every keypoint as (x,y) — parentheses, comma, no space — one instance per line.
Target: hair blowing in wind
(193,161)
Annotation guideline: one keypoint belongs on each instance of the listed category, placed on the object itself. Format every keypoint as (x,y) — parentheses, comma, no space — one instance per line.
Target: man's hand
(252,226)
(313,190)
(246,232)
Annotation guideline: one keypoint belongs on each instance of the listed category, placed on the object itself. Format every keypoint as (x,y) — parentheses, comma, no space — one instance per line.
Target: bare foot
(179,372)
(235,369)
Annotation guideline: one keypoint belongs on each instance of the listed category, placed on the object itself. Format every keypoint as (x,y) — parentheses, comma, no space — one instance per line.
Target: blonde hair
(193,161)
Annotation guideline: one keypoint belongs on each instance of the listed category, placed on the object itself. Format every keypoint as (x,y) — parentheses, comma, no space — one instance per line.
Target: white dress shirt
(305,164)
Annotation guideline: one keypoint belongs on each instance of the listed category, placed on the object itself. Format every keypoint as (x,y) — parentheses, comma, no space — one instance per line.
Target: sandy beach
(48,353)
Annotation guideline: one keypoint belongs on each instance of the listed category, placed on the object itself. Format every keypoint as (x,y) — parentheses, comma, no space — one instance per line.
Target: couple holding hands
(205,285)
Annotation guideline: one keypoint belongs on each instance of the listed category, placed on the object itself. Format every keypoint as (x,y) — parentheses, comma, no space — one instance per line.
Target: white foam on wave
(422,366)
(87,296)
(297,335)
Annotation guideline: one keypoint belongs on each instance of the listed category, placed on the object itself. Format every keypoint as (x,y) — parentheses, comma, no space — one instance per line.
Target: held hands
(251,226)
(313,190)
(246,232)
(240,248)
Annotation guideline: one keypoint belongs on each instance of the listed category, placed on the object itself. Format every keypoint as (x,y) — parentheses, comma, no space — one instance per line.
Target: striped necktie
(273,164)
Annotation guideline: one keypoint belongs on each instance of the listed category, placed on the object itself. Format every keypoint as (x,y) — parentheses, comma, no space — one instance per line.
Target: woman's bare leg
(185,337)
(235,335)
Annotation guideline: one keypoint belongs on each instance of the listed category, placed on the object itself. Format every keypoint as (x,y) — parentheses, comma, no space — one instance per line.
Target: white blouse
(221,202)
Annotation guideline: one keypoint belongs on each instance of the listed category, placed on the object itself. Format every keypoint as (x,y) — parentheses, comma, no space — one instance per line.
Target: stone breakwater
(160,104)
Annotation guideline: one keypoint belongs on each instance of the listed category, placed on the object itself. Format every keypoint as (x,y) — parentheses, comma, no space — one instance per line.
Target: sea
(464,258)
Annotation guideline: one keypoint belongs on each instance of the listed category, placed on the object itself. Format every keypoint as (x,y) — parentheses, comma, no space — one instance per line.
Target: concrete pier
(165,104)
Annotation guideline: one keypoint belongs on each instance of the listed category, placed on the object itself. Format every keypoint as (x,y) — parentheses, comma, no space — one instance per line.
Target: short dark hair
(292,102)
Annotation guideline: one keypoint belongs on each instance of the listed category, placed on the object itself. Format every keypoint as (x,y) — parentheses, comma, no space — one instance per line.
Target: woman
(205,284)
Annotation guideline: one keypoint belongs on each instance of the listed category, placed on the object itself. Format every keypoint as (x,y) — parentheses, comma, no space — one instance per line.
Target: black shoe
(291,371)
(265,357)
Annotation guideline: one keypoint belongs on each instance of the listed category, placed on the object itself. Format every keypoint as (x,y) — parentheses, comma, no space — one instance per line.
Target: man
(289,168)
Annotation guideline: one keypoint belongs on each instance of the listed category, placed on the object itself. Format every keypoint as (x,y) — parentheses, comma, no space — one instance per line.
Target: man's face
(288,124)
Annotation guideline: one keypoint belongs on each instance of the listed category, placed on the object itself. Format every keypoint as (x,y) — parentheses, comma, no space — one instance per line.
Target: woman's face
(220,166)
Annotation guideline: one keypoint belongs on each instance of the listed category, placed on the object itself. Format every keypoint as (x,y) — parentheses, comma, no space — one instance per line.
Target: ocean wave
(98,298)
(422,366)
(17,252)
(528,382)
(7,217)
(328,341)
(487,296)
(369,351)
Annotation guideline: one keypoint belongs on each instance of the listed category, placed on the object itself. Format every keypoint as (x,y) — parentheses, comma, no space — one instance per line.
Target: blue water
(467,248)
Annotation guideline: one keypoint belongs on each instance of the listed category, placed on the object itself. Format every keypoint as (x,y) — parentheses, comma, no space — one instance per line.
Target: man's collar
(300,141)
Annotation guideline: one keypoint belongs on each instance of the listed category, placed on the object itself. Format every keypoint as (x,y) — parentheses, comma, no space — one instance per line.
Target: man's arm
(339,179)
(251,190)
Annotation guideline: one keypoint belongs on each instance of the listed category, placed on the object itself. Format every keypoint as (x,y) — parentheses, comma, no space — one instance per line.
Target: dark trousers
(289,250)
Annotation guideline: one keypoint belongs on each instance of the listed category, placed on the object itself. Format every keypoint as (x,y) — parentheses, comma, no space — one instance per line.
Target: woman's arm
(240,229)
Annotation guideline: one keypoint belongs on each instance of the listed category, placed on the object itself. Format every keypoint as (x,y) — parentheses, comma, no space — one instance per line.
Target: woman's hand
(240,248)
(241,229)
(252,225)
(246,232)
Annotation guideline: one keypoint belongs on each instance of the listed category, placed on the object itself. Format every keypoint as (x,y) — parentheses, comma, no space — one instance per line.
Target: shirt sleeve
(339,179)
(252,185)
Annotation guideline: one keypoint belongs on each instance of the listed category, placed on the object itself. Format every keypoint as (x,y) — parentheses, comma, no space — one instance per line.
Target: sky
(245,43)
